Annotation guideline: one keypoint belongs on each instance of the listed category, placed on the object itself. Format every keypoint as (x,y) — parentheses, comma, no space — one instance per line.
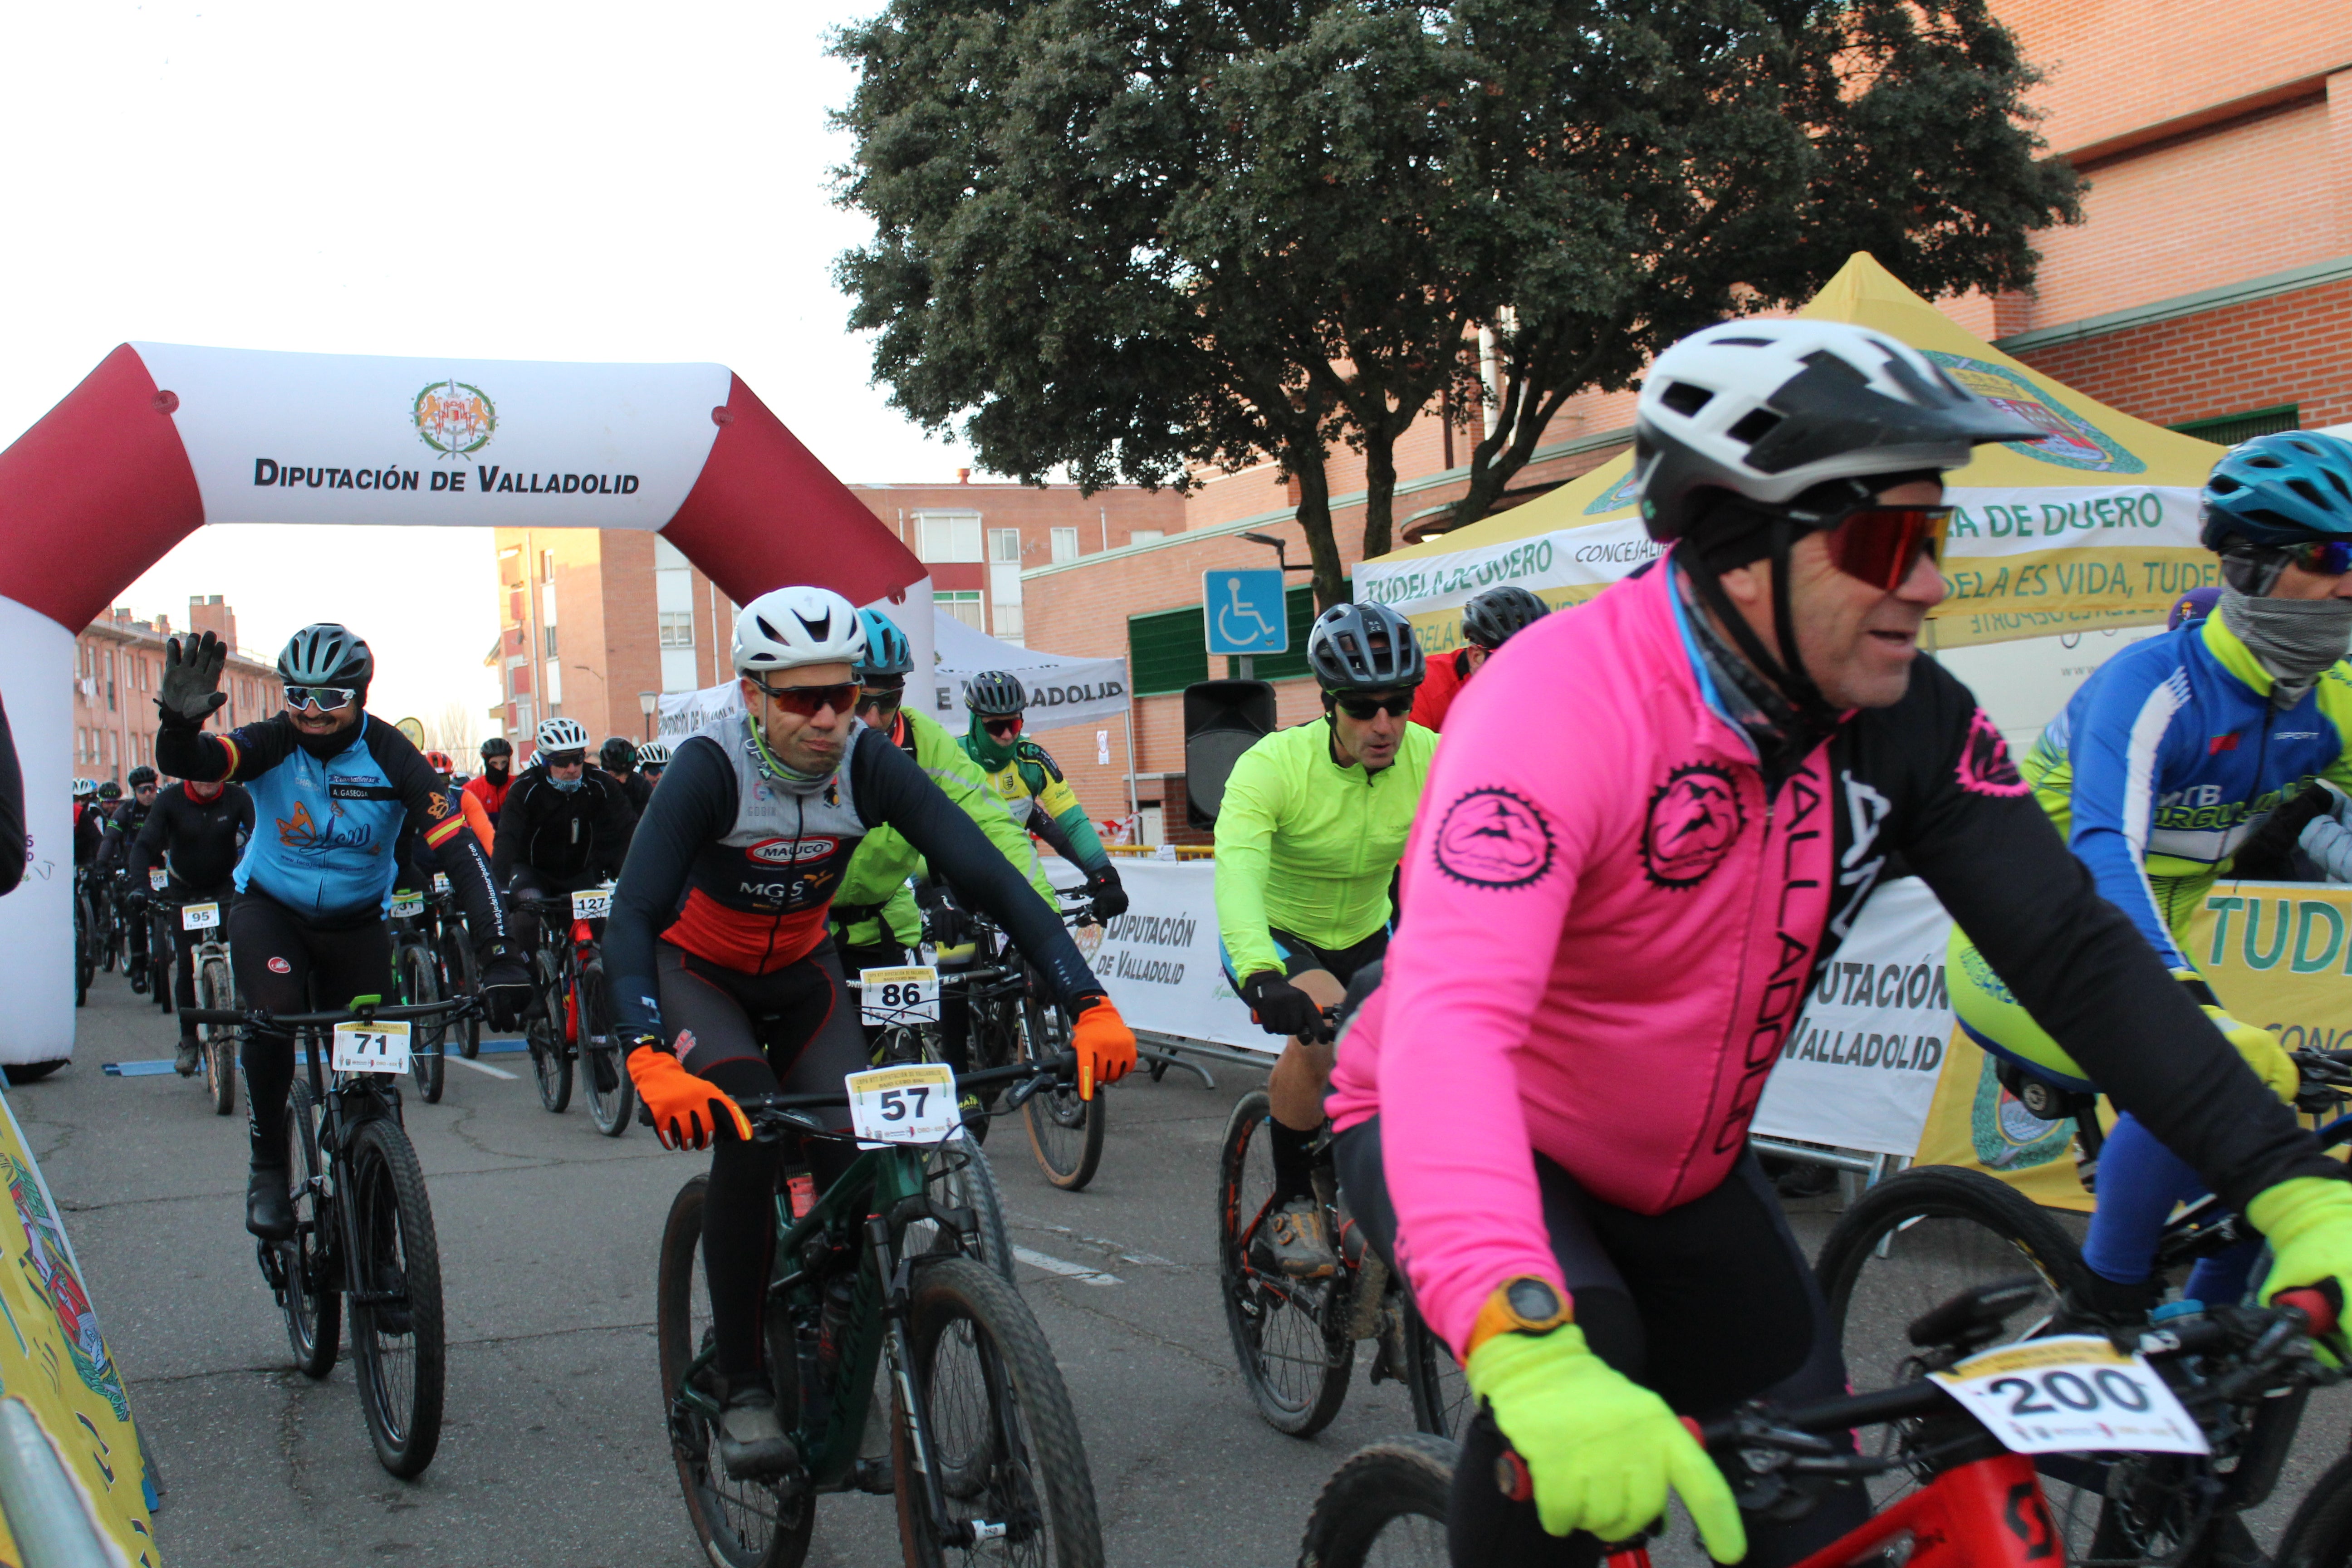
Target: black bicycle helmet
(324,654)
(110,790)
(1489,619)
(617,755)
(141,776)
(497,746)
(995,694)
(1364,647)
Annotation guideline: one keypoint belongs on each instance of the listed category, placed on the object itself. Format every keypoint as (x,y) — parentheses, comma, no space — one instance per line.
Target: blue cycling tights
(2141,1182)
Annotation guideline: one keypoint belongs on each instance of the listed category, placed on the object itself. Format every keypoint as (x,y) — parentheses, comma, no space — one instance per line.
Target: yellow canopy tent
(2094,526)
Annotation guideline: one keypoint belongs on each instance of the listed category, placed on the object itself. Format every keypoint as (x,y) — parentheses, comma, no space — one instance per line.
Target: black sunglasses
(566,759)
(1395,707)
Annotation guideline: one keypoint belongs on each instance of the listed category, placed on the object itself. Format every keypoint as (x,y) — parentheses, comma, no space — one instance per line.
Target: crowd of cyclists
(1528,981)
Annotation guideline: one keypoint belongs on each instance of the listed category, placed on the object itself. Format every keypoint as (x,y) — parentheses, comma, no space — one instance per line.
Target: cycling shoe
(268,1204)
(753,1445)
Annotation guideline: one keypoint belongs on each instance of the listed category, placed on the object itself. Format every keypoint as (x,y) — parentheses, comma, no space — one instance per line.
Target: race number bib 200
(910,1104)
(2073,1394)
(380,1047)
(898,996)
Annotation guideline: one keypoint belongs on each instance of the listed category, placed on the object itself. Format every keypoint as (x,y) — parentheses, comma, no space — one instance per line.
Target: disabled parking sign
(1243,611)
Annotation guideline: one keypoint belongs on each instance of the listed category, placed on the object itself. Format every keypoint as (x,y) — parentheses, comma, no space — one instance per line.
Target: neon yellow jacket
(1308,845)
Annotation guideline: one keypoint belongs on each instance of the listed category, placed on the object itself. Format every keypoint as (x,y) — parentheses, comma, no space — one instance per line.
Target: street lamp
(1268,538)
(648,701)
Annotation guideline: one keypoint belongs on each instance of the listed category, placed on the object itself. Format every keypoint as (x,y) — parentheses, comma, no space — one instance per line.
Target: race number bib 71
(380,1047)
(898,996)
(593,903)
(199,917)
(910,1104)
(2071,1393)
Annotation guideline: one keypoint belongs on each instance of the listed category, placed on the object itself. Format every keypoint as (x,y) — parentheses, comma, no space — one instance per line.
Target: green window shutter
(1166,651)
(1299,606)
(2233,429)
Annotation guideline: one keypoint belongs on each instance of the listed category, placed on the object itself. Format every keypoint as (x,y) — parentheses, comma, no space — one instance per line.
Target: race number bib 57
(898,996)
(910,1104)
(380,1047)
(2071,1393)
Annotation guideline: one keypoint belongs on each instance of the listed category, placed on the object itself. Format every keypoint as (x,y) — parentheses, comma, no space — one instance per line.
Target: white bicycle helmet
(563,735)
(787,627)
(1769,409)
(653,754)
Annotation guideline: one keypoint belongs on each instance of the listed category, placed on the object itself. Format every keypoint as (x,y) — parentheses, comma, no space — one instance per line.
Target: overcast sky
(572,182)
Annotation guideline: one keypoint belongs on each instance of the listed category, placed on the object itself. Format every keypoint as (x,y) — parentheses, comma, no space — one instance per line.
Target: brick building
(117,668)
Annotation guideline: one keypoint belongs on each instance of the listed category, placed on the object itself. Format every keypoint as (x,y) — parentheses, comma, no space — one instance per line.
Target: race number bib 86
(2071,1393)
(898,996)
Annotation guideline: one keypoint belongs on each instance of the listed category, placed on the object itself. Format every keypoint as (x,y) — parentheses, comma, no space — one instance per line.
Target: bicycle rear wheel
(1065,1132)
(1442,1399)
(216,990)
(419,979)
(398,1338)
(1385,1506)
(1288,1334)
(993,1398)
(739,1524)
(312,1296)
(611,1096)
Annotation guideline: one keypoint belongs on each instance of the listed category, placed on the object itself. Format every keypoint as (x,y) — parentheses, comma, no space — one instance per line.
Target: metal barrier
(43,1505)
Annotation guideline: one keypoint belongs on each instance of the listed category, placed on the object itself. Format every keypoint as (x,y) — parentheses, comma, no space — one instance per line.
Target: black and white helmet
(787,627)
(325,654)
(653,754)
(1769,409)
(563,735)
(1364,647)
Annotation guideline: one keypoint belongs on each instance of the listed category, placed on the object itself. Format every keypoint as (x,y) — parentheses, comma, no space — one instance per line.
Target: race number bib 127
(910,1104)
(898,996)
(380,1047)
(2073,1394)
(199,917)
(593,903)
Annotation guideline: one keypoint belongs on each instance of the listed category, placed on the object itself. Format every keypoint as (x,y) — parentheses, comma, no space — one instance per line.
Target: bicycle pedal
(874,1476)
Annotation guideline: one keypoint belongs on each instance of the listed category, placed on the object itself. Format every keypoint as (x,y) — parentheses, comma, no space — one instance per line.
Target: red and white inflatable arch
(160,438)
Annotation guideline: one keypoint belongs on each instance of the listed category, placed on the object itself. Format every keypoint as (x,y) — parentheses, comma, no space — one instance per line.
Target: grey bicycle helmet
(325,654)
(1489,619)
(1364,647)
(995,694)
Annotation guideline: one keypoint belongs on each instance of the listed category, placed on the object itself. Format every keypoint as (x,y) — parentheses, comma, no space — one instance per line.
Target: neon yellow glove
(1600,1450)
(2308,1222)
(2262,1053)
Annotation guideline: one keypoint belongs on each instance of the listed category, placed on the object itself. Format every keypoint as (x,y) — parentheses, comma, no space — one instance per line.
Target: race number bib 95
(2071,1393)
(898,996)
(199,917)
(380,1047)
(910,1104)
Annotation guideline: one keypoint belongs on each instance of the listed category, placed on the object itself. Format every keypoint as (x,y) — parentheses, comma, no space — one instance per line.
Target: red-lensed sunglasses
(1880,545)
(809,700)
(1002,729)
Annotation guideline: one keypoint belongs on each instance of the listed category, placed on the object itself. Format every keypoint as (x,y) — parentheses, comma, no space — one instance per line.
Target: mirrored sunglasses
(326,698)
(1002,729)
(1879,545)
(809,700)
(2323,557)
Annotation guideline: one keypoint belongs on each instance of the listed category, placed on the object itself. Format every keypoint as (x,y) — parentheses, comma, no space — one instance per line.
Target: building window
(965,607)
(677,628)
(948,536)
(1004,583)
(550,630)
(1066,545)
(547,565)
(554,688)
(1146,535)
(2230,429)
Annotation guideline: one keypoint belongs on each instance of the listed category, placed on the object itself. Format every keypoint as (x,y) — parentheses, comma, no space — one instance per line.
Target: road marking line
(1053,1265)
(484,1067)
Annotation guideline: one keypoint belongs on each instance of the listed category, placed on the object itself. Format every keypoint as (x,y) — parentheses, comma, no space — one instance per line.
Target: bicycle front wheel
(398,1338)
(550,1062)
(1065,1132)
(1441,1400)
(215,991)
(991,1397)
(1288,1334)
(2320,1533)
(611,1096)
(458,979)
(314,1305)
(419,978)
(958,1173)
(1385,1506)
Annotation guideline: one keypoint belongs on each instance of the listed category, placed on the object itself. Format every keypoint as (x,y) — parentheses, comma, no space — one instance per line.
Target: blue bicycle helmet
(887,651)
(2281,489)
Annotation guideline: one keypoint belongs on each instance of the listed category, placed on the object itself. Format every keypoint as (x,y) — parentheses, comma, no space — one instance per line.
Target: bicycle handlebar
(268,1022)
(772,1114)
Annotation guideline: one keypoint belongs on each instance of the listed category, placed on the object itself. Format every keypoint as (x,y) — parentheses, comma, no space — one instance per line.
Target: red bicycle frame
(583,939)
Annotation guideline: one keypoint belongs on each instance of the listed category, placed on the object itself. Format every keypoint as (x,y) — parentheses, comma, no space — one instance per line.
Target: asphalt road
(554,1451)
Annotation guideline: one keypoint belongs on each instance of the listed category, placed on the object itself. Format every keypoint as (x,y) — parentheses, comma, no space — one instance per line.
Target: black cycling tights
(1710,1304)
(284,965)
(795,1031)
(184,990)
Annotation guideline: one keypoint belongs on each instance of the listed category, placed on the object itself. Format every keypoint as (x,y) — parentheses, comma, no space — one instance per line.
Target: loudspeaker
(1222,718)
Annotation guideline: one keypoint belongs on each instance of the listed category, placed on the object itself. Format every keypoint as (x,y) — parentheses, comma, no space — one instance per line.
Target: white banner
(282,438)
(1859,1068)
(1160,961)
(1061,691)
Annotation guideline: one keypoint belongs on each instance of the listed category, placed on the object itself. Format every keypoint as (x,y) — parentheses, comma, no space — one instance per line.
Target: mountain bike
(215,991)
(1965,1499)
(882,1270)
(89,934)
(363,1228)
(1011,1021)
(573,1021)
(1296,1339)
(416,980)
(460,971)
(1920,1235)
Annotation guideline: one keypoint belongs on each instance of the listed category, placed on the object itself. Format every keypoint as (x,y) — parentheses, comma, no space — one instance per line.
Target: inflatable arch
(160,438)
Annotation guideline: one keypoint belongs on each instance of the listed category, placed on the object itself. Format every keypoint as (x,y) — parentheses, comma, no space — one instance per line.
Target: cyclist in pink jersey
(1652,820)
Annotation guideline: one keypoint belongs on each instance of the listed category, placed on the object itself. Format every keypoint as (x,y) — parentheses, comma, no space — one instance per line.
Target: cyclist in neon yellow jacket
(1025,777)
(1311,827)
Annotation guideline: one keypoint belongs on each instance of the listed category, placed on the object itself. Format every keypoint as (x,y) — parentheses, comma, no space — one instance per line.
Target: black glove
(1109,899)
(191,686)
(505,988)
(1281,1007)
(2268,853)
(942,921)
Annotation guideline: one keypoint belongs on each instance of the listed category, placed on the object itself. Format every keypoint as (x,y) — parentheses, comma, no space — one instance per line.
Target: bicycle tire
(459,977)
(1065,1132)
(739,1524)
(1300,1383)
(2319,1535)
(216,990)
(958,1173)
(396,1296)
(314,1306)
(1441,1394)
(161,973)
(85,946)
(551,1068)
(612,1109)
(961,1313)
(419,979)
(1390,1497)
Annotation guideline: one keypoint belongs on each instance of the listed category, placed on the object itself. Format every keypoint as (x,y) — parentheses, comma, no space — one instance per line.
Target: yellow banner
(53,1356)
(1977,1125)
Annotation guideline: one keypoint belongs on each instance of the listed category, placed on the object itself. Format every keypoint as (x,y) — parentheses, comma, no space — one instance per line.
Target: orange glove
(1106,1046)
(685,1109)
